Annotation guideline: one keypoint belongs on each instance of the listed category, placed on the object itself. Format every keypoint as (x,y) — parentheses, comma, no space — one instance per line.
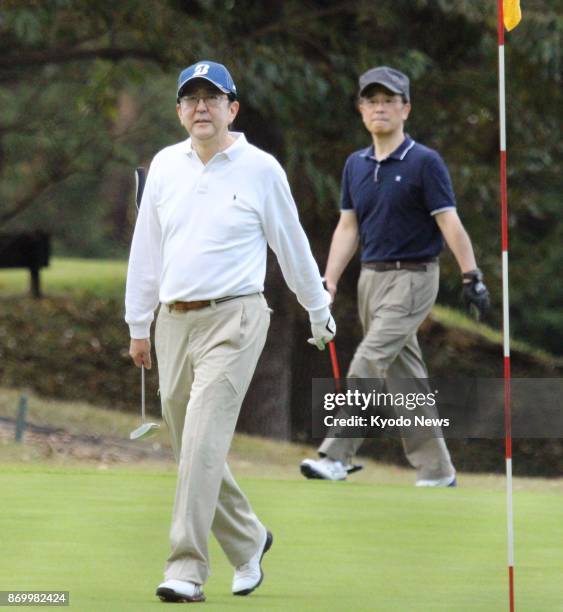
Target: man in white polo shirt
(211,205)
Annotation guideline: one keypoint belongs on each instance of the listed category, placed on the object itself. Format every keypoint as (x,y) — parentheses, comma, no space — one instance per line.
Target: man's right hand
(140,352)
(322,333)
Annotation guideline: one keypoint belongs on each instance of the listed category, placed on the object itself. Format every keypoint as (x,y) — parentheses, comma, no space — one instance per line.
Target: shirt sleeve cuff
(319,315)
(440,210)
(139,331)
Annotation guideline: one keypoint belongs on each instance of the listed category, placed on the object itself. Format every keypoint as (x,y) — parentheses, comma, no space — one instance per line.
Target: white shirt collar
(231,152)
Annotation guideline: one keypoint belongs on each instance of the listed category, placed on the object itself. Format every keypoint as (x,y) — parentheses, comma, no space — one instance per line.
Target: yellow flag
(512,13)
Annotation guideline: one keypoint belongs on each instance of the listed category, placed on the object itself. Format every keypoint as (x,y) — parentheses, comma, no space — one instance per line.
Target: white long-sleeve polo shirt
(203,229)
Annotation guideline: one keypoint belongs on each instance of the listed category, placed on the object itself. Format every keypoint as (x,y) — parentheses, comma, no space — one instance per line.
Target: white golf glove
(322,333)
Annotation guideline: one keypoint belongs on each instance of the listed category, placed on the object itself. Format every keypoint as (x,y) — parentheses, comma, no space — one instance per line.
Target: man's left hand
(322,333)
(475,293)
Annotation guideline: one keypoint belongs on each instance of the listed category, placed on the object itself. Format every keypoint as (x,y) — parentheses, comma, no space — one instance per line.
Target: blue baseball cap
(213,72)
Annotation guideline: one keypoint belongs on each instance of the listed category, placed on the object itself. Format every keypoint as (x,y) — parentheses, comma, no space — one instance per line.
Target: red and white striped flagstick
(505,303)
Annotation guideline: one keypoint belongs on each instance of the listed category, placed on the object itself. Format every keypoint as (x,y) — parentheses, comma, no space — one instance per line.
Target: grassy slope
(250,456)
(455,319)
(107,278)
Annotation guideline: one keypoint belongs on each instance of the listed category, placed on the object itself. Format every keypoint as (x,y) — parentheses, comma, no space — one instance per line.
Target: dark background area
(87,91)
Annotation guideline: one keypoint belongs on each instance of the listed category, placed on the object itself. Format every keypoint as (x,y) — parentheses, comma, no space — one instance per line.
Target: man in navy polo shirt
(398,204)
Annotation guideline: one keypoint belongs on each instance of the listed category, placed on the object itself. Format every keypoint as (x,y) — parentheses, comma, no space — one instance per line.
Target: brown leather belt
(385,266)
(198,304)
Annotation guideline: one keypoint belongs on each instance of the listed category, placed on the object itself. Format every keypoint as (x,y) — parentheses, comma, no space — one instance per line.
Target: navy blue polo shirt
(395,201)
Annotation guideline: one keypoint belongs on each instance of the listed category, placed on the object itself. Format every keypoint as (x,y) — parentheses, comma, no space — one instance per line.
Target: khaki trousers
(392,306)
(206,359)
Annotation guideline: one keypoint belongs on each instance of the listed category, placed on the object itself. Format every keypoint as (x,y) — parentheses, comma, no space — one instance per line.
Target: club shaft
(143,393)
(335,367)
(140,178)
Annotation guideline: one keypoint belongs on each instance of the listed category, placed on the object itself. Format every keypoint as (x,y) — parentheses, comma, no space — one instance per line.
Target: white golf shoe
(180,591)
(324,469)
(449,481)
(249,575)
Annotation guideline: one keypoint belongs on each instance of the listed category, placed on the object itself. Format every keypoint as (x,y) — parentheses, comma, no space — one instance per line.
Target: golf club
(354,467)
(145,430)
(140,178)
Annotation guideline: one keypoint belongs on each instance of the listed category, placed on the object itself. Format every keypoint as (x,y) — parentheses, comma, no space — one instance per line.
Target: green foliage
(87,92)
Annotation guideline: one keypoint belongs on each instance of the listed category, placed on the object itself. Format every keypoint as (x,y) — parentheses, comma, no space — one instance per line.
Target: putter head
(146,430)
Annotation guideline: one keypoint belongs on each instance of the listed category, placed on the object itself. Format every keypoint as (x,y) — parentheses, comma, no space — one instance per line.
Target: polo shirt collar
(237,147)
(399,153)
(231,152)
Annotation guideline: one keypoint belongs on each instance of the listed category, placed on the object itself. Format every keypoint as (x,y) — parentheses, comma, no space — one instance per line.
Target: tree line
(87,91)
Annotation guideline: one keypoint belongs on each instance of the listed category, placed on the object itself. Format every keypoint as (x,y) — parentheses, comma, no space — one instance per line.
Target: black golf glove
(475,294)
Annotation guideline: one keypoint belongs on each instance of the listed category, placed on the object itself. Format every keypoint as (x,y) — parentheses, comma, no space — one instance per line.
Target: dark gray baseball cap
(392,79)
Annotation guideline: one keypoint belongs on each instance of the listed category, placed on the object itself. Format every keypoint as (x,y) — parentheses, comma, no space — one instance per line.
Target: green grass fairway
(103,277)
(102,535)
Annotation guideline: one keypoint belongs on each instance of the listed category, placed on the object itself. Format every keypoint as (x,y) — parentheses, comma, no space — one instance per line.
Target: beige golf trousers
(392,306)
(206,359)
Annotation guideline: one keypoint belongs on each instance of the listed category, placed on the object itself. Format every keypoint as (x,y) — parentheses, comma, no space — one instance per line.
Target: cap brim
(203,78)
(392,89)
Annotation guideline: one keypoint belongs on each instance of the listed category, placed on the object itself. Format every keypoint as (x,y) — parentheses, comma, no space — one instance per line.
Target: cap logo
(201,69)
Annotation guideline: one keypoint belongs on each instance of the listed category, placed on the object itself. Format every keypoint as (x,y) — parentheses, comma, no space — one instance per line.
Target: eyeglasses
(385,102)
(211,100)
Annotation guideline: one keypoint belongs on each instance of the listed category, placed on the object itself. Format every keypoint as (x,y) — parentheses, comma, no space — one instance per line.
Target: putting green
(102,535)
